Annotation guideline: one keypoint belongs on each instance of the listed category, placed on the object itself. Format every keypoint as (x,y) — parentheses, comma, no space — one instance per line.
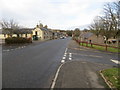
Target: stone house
(42,33)
(90,37)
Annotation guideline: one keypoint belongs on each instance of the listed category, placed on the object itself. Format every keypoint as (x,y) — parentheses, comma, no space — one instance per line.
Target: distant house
(42,33)
(90,37)
(24,32)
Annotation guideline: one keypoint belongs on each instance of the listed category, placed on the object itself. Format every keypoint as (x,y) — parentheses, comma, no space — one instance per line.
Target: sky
(57,14)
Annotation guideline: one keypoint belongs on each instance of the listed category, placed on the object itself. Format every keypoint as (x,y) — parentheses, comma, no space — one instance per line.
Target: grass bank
(103,48)
(112,77)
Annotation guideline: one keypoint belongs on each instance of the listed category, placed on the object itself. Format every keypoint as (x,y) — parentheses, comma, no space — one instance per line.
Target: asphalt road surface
(82,66)
(33,66)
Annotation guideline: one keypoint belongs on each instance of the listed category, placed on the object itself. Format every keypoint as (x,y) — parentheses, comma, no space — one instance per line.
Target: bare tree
(96,26)
(108,24)
(111,17)
(9,26)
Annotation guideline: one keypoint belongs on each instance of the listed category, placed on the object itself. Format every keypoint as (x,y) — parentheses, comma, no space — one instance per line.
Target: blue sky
(57,14)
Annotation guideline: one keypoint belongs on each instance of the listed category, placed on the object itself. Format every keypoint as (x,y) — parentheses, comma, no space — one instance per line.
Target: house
(24,32)
(90,37)
(41,33)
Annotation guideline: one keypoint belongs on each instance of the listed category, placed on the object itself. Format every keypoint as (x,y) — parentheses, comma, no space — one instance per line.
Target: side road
(82,70)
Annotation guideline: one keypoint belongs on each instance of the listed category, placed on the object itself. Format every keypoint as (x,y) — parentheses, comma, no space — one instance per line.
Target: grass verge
(112,77)
(100,47)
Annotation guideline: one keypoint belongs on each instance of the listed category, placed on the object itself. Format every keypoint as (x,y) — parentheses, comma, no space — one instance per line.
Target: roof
(86,34)
(18,31)
(24,31)
(44,29)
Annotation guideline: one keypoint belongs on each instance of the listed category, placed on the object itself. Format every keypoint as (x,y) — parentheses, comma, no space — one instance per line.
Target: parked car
(62,37)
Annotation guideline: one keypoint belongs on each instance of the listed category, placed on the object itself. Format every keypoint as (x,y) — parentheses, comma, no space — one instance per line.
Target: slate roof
(23,31)
(86,34)
(18,31)
(44,29)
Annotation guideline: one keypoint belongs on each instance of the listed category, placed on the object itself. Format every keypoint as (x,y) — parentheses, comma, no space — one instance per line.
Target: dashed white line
(70,54)
(11,49)
(6,50)
(62,61)
(65,53)
(66,50)
(64,57)
(70,58)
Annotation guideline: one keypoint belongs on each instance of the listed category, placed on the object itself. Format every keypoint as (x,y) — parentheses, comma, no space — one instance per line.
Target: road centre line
(70,58)
(65,53)
(6,50)
(62,61)
(64,57)
(70,55)
(12,49)
(66,50)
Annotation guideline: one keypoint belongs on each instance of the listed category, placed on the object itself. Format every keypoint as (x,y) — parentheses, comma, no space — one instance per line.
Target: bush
(17,40)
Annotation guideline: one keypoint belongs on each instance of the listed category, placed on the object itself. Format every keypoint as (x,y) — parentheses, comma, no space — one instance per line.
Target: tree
(107,25)
(46,26)
(9,26)
(96,26)
(76,32)
(69,32)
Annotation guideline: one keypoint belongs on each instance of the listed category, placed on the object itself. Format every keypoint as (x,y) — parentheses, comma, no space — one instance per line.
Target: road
(33,66)
(82,66)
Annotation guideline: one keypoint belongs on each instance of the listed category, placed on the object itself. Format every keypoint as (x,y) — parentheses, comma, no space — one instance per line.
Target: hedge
(17,40)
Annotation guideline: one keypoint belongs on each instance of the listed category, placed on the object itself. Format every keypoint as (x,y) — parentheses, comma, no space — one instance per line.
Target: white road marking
(65,53)
(62,61)
(6,50)
(64,57)
(66,50)
(115,61)
(56,75)
(70,58)
(70,54)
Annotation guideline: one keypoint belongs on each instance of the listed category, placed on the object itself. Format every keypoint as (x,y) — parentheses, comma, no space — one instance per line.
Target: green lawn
(101,47)
(112,75)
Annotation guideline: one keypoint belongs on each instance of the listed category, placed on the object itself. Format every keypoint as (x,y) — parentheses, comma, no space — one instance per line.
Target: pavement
(81,67)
